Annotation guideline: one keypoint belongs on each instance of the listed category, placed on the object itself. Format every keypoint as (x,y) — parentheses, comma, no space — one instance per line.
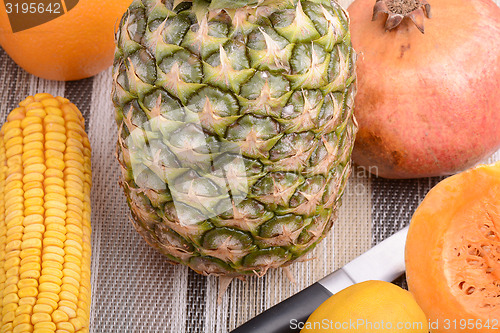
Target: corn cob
(45,183)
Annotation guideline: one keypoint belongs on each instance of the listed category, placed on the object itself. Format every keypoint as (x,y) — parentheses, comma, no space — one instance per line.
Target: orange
(75,45)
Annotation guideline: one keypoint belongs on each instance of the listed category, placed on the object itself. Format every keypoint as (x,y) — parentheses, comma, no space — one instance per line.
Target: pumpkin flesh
(453,251)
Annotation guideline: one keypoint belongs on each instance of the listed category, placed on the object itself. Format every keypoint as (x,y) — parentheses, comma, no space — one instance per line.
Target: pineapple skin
(235,128)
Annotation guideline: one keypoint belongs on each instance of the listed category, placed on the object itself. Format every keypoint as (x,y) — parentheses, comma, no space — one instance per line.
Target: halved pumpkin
(453,253)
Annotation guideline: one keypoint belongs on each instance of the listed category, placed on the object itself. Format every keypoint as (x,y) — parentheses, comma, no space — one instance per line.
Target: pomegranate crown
(397,10)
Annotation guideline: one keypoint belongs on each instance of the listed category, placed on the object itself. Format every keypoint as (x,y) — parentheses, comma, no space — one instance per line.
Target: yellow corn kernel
(35,259)
(27,300)
(51,241)
(70,280)
(9,263)
(33,177)
(34,202)
(45,181)
(42,308)
(30,253)
(12,212)
(72,156)
(54,115)
(6,328)
(14,169)
(14,141)
(35,111)
(33,219)
(12,254)
(69,296)
(21,319)
(10,298)
(53,181)
(55,197)
(53,127)
(54,250)
(33,160)
(14,230)
(65,326)
(53,173)
(13,222)
(56,227)
(14,150)
(27,283)
(34,210)
(51,271)
(49,287)
(75,237)
(32,146)
(47,302)
(59,316)
(28,154)
(52,204)
(9,308)
(73,251)
(43,330)
(34,137)
(68,307)
(52,232)
(55,212)
(54,136)
(69,288)
(55,145)
(35,228)
(55,219)
(50,278)
(33,243)
(33,193)
(11,196)
(14,237)
(48,100)
(40,318)
(26,273)
(9,317)
(72,268)
(9,186)
(51,153)
(11,289)
(11,133)
(75,172)
(32,235)
(25,309)
(23,328)
(78,323)
(12,275)
(28,292)
(52,264)
(53,257)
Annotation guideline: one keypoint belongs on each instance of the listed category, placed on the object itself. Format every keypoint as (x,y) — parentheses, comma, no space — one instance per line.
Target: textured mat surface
(135,290)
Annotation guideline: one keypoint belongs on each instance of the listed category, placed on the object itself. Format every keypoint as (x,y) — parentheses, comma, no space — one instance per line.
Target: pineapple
(235,127)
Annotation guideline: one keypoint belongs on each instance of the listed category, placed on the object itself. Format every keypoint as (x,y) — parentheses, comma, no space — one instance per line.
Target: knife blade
(385,261)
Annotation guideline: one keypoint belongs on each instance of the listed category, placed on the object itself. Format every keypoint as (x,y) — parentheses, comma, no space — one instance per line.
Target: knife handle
(278,319)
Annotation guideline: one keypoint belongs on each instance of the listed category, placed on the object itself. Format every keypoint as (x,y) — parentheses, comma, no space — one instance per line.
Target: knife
(385,261)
